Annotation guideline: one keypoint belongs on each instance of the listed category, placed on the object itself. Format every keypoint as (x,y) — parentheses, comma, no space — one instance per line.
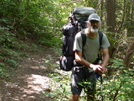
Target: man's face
(94,26)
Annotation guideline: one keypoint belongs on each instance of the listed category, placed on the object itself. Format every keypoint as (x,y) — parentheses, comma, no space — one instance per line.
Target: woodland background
(27,24)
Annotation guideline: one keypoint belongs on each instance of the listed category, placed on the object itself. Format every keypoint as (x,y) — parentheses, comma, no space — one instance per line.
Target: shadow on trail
(29,80)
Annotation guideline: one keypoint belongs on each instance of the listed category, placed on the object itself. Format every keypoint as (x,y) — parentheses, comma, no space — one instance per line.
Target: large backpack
(77,22)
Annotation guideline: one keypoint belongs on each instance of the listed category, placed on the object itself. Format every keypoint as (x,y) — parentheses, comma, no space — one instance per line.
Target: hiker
(83,73)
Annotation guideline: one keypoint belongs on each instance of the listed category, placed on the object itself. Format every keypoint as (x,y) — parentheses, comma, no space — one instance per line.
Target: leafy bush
(30,19)
(60,87)
(3,72)
(119,86)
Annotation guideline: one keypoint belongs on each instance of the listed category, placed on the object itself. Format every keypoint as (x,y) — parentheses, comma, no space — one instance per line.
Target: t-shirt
(92,46)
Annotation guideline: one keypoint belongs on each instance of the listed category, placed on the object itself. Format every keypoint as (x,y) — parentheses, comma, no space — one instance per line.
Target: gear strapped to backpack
(78,18)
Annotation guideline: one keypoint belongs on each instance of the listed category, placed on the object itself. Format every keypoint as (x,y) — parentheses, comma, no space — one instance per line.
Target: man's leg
(91,86)
(90,96)
(76,88)
(74,97)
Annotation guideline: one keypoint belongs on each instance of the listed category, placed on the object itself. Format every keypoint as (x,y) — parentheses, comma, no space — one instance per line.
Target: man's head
(94,22)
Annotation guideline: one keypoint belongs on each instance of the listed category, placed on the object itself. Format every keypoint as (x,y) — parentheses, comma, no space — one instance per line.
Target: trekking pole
(101,81)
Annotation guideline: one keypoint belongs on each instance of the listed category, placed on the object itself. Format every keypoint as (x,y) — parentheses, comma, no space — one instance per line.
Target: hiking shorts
(83,78)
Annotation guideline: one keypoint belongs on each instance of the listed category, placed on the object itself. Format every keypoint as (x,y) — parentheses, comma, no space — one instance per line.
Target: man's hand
(97,68)
(104,68)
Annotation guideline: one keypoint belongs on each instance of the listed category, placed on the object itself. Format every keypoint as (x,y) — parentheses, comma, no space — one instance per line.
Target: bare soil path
(29,79)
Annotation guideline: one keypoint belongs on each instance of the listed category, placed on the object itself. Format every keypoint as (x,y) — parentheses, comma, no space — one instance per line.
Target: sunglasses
(94,21)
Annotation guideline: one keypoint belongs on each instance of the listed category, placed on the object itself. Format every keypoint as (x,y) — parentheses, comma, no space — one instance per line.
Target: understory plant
(119,86)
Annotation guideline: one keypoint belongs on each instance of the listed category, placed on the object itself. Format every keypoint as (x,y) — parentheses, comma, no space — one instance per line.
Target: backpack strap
(100,57)
(83,44)
(100,37)
(83,38)
(100,41)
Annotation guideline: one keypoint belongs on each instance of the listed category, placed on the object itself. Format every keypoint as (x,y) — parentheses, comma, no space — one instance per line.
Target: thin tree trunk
(110,9)
(129,54)
(123,17)
(110,21)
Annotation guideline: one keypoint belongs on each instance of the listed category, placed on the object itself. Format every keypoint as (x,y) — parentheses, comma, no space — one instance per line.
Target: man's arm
(105,59)
(81,60)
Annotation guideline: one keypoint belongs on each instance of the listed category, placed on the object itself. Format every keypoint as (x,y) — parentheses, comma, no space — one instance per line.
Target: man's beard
(94,30)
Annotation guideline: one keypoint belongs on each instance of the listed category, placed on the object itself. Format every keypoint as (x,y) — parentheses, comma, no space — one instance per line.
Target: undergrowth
(12,51)
(118,86)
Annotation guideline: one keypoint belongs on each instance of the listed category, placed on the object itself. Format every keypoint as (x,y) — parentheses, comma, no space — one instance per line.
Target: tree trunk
(110,17)
(129,54)
(130,18)
(110,21)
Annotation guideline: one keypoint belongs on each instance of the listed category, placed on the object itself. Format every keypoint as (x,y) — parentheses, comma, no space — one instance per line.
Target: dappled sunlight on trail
(28,81)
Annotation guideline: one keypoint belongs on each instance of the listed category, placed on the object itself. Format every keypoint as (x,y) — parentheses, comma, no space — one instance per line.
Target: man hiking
(83,73)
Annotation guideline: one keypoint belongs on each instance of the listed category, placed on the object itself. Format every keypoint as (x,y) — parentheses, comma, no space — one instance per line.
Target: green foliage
(8,60)
(91,3)
(50,42)
(7,39)
(49,63)
(34,19)
(112,38)
(11,62)
(62,90)
(27,18)
(3,72)
(117,87)
(41,22)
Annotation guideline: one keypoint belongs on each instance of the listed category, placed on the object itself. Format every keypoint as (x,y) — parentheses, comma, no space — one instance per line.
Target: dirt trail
(28,80)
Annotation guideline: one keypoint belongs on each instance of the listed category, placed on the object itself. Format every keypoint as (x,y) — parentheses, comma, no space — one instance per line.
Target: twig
(116,93)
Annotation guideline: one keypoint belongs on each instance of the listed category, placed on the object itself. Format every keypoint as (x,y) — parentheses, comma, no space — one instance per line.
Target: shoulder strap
(83,38)
(100,41)
(100,37)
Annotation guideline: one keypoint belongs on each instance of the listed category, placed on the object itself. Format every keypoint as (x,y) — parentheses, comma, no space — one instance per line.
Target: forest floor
(30,78)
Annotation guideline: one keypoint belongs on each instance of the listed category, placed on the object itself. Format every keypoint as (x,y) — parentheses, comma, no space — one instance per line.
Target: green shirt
(91,48)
